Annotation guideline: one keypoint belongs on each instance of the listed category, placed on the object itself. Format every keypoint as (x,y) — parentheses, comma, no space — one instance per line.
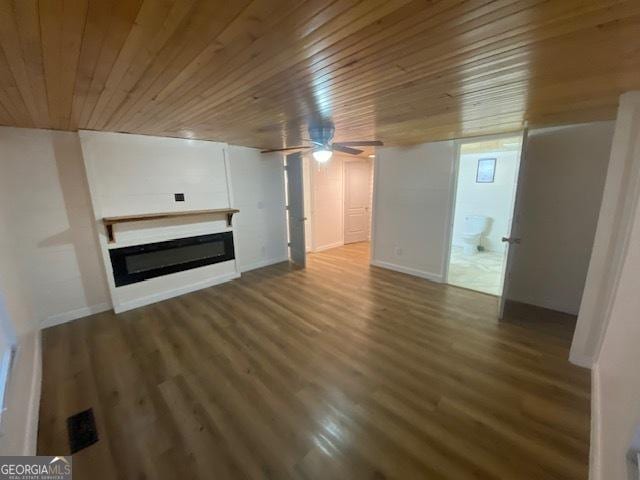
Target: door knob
(510,240)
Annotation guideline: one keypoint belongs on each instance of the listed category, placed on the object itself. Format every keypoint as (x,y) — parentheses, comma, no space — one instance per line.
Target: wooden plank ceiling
(255,72)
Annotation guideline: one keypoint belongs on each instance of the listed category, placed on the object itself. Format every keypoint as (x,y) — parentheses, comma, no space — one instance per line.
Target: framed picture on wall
(486,170)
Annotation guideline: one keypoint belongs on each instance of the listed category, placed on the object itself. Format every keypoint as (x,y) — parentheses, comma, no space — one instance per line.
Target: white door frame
(454,190)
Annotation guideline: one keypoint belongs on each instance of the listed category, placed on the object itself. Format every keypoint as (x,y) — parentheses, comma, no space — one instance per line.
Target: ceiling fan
(321,138)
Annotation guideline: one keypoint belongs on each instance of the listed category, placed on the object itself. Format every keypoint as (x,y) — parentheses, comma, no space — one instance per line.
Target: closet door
(357,201)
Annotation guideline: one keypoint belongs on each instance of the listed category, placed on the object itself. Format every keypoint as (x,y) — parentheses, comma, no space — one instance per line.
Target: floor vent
(82,430)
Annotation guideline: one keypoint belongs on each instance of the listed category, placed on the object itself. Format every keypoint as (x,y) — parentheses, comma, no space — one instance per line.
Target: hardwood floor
(339,371)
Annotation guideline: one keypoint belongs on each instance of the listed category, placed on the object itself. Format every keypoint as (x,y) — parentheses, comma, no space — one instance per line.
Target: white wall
(258,190)
(608,247)
(19,422)
(611,321)
(616,384)
(50,270)
(12,276)
(50,262)
(46,207)
(412,208)
(138,174)
(327,204)
(560,197)
(561,190)
(493,200)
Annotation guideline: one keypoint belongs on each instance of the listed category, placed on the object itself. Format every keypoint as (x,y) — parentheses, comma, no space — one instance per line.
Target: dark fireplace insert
(141,262)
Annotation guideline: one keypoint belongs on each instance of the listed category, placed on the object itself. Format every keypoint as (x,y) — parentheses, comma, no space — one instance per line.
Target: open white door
(513,240)
(295,195)
(357,201)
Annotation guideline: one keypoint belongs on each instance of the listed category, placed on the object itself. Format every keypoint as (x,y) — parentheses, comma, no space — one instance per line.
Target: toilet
(475,226)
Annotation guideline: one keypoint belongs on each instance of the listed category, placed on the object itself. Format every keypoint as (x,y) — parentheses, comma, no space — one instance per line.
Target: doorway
(486,186)
(339,203)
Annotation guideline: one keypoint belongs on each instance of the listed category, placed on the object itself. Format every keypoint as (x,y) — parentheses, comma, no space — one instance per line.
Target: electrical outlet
(179,197)
(399,252)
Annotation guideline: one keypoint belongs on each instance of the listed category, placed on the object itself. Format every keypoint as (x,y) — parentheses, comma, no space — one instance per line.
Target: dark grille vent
(82,430)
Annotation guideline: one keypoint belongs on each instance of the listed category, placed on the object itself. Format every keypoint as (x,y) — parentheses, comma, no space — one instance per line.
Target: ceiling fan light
(322,155)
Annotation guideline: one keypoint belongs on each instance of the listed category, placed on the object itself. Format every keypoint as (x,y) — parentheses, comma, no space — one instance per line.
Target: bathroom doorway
(486,183)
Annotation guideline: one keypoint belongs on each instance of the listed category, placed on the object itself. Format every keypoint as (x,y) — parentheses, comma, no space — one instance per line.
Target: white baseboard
(158,297)
(328,246)
(581,360)
(263,263)
(434,277)
(65,317)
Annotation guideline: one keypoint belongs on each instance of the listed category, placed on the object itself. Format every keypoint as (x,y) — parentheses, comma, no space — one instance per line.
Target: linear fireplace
(141,262)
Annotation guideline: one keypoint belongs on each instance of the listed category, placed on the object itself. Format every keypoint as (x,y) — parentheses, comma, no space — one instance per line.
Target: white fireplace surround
(137,174)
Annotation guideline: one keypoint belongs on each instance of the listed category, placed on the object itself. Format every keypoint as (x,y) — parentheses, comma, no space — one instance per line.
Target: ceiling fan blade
(285,149)
(363,143)
(341,148)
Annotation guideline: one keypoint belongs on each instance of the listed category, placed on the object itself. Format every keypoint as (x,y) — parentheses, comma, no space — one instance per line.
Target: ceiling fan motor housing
(321,134)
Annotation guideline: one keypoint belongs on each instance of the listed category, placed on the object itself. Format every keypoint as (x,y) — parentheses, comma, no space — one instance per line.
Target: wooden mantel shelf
(109,222)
